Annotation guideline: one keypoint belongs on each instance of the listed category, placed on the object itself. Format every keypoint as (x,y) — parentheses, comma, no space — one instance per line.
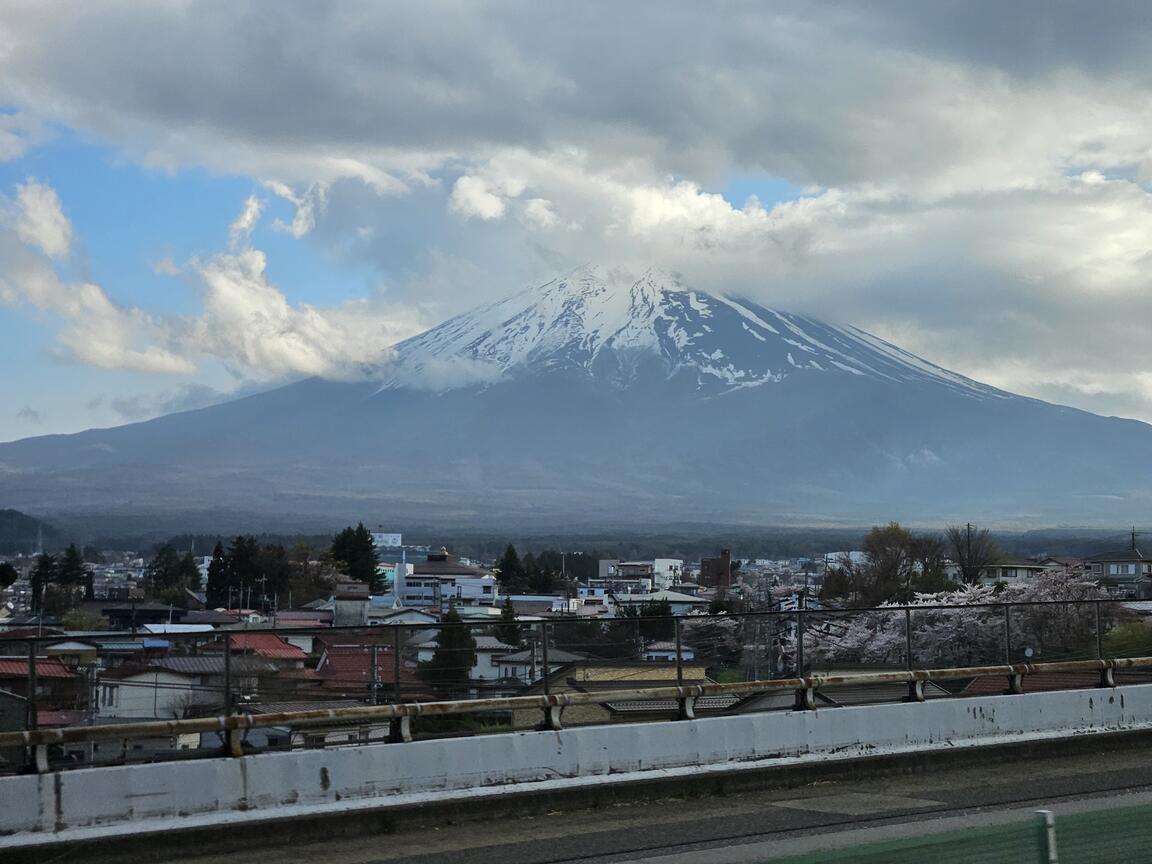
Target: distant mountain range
(601,400)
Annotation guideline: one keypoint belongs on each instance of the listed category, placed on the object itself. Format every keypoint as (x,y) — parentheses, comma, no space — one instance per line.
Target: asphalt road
(752,827)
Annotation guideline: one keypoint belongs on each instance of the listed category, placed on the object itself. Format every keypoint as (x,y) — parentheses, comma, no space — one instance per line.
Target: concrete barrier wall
(113,801)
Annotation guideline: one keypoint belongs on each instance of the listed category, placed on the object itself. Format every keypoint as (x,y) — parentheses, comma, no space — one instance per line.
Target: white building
(148,694)
(486,667)
(443,579)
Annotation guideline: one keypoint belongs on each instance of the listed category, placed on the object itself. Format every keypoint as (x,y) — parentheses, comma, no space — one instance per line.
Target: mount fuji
(598,400)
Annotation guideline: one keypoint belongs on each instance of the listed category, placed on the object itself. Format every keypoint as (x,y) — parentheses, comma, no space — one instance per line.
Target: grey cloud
(187,397)
(30,415)
(948,138)
(825,94)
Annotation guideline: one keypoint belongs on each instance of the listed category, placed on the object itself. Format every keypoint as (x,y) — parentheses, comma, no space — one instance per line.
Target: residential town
(397,623)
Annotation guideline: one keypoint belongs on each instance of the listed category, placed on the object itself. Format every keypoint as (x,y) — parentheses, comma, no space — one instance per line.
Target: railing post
(915,688)
(1008,634)
(396,663)
(679,655)
(228,704)
(1099,634)
(907,638)
(544,649)
(800,642)
(375,674)
(1048,853)
(32,718)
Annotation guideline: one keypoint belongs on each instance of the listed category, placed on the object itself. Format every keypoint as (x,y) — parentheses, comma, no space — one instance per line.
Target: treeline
(20,533)
(58,583)
(545,573)
(898,564)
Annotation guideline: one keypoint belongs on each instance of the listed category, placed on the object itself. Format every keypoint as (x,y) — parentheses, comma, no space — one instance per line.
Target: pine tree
(43,574)
(217,587)
(508,631)
(455,653)
(8,575)
(355,551)
(188,574)
(163,570)
(511,570)
(71,570)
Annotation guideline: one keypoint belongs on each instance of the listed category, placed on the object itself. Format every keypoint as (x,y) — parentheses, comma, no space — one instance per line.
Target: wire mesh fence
(100,678)
(1101,834)
(1015,843)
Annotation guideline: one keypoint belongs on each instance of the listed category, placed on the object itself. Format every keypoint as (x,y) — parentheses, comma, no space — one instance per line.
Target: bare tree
(973,550)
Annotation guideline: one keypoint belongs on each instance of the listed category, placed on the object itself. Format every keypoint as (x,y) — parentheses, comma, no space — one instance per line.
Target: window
(494,661)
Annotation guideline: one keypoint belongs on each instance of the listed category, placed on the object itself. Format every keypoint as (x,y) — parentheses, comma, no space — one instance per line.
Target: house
(1014,570)
(133,615)
(267,646)
(1124,573)
(347,671)
(249,674)
(214,617)
(527,665)
(57,684)
(401,615)
(137,693)
(665,652)
(717,572)
(443,579)
(486,666)
(681,604)
(118,651)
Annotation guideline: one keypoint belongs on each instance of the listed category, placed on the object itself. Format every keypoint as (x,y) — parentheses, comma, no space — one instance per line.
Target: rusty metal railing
(399,716)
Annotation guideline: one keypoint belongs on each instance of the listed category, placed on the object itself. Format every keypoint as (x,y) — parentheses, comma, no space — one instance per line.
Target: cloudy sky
(206,198)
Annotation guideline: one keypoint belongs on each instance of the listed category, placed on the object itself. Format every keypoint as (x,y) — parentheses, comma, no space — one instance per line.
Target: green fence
(1119,834)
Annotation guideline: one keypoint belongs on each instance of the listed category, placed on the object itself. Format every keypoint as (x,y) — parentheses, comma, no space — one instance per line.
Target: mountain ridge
(638,401)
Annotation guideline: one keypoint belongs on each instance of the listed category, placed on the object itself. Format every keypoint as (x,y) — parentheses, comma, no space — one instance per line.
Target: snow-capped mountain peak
(603,324)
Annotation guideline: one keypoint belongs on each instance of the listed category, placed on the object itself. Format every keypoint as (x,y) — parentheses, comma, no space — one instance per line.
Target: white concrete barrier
(116,801)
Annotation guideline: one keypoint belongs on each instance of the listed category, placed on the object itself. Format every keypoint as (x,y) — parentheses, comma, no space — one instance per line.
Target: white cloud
(240,231)
(981,191)
(471,196)
(246,322)
(40,220)
(18,132)
(306,204)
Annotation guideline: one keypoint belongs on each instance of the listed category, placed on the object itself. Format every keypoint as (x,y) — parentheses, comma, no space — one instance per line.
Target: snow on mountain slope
(588,322)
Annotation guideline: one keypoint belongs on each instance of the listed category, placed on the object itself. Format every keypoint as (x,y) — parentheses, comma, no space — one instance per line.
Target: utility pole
(968,557)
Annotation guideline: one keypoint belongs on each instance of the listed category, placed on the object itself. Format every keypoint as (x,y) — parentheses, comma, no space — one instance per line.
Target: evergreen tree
(8,575)
(537,576)
(455,653)
(188,574)
(43,574)
(508,631)
(71,570)
(163,570)
(217,587)
(275,571)
(511,571)
(656,623)
(244,569)
(355,552)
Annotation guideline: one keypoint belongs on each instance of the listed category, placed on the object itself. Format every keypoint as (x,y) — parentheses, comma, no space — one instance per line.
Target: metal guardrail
(399,716)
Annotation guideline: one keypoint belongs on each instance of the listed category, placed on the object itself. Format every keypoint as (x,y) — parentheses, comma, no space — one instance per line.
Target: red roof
(46,667)
(48,718)
(1043,682)
(267,645)
(348,669)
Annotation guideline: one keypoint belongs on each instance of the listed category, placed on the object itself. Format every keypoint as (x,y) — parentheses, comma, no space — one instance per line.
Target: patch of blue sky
(768,189)
(128,217)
